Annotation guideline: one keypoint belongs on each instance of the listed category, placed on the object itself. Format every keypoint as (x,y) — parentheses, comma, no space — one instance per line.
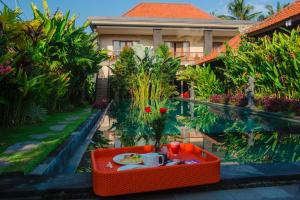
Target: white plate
(129,167)
(119,157)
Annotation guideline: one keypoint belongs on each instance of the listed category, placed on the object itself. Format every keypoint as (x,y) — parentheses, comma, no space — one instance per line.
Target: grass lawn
(26,161)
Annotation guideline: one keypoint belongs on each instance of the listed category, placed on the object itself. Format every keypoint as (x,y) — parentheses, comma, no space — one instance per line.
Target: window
(118,45)
(178,48)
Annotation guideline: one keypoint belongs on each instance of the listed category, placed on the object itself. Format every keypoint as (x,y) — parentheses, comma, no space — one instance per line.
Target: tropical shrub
(44,62)
(274,104)
(35,114)
(123,71)
(238,99)
(144,74)
(218,98)
(90,88)
(274,62)
(204,79)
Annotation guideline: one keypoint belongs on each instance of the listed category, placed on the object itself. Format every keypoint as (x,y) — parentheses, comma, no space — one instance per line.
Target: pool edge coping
(255,112)
(35,184)
(52,164)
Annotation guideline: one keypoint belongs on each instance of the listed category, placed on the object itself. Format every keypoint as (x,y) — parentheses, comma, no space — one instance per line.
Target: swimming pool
(236,136)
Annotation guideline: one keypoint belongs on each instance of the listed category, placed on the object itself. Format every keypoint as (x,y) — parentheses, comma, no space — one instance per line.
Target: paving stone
(4,163)
(272,193)
(75,133)
(233,171)
(72,118)
(288,192)
(87,110)
(215,195)
(65,122)
(22,146)
(58,127)
(39,136)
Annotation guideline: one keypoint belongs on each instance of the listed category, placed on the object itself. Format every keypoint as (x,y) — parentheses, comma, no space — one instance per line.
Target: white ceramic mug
(153,159)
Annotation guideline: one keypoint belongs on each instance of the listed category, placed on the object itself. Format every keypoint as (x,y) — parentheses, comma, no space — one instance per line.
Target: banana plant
(50,58)
(273,61)
(205,80)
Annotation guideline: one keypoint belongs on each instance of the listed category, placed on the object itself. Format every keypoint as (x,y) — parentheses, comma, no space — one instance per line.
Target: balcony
(187,56)
(184,56)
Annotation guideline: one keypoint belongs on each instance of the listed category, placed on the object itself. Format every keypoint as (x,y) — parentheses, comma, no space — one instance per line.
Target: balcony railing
(187,56)
(184,56)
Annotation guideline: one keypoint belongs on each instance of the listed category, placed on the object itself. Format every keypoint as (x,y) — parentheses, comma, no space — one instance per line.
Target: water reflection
(235,136)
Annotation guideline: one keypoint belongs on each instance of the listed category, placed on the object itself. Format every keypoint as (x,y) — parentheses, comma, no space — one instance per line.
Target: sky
(85,8)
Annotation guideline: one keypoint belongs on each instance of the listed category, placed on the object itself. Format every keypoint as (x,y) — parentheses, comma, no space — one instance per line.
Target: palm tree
(239,10)
(271,10)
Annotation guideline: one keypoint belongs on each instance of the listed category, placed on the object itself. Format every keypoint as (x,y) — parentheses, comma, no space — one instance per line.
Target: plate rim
(120,163)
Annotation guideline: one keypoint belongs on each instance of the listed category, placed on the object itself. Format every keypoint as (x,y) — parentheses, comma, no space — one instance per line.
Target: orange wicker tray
(110,182)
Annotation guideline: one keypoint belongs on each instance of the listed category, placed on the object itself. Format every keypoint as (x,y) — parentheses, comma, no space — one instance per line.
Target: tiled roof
(233,43)
(291,10)
(168,10)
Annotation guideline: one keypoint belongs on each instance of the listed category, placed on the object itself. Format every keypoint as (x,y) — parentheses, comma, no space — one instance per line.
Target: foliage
(90,88)
(205,81)
(274,62)
(35,114)
(123,70)
(238,99)
(99,141)
(139,127)
(274,104)
(44,62)
(239,10)
(202,119)
(261,147)
(145,74)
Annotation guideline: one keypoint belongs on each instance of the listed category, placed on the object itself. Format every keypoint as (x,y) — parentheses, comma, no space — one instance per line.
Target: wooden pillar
(157,38)
(208,41)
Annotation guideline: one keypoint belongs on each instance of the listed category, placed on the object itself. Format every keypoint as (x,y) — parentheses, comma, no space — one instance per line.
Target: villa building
(189,32)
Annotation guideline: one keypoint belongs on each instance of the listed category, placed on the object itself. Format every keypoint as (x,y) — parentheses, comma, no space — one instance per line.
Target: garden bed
(23,148)
(284,106)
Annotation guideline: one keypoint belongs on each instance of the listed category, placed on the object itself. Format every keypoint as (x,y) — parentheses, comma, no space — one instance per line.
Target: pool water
(234,135)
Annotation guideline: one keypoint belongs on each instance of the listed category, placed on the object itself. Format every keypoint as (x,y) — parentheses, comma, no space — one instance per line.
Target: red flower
(148,109)
(163,110)
(186,95)
(5,69)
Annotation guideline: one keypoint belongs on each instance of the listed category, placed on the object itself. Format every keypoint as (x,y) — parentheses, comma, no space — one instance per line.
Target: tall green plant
(123,71)
(145,74)
(239,10)
(205,81)
(49,60)
(273,61)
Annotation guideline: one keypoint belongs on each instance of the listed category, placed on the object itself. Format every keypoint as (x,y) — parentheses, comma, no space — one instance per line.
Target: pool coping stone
(232,176)
(252,111)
